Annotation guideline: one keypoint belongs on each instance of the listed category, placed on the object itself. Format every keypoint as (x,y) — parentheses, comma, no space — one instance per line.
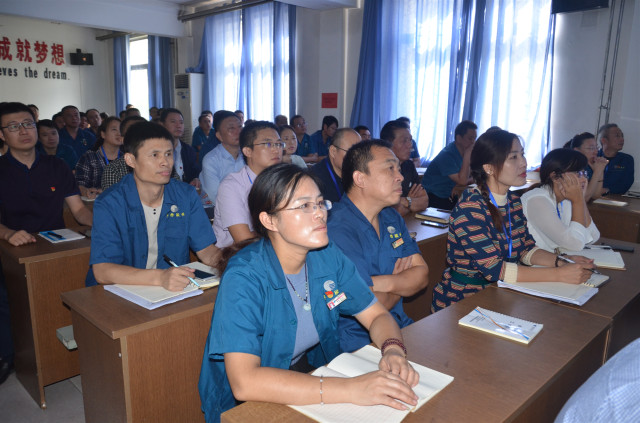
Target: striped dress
(477,249)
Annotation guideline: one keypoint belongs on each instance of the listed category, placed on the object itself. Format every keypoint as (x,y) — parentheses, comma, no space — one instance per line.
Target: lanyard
(105,155)
(509,238)
(334,180)
(558,210)
(249,176)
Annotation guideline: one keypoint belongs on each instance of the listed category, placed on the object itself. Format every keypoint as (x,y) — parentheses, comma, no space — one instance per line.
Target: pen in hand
(172,263)
(573,262)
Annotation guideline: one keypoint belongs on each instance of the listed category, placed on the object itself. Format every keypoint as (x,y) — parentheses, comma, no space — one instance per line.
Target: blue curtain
(160,72)
(449,60)
(247,57)
(121,71)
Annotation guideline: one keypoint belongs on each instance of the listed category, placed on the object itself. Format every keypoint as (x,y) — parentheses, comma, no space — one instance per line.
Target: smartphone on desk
(434,224)
(200,274)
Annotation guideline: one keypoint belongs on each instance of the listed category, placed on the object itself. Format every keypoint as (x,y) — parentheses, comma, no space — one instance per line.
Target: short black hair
(88,110)
(463,127)
(14,107)
(221,115)
(559,161)
(404,119)
(46,123)
(295,117)
(139,132)
(34,106)
(165,113)
(249,133)
(125,122)
(329,120)
(578,140)
(239,111)
(388,131)
(361,128)
(70,106)
(358,158)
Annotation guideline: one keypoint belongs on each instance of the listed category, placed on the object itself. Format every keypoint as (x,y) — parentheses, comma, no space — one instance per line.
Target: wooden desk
(433,246)
(496,379)
(36,275)
(620,223)
(139,365)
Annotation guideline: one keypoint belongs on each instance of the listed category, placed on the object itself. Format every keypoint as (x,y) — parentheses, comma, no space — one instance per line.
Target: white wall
(85,87)
(580,49)
(328,49)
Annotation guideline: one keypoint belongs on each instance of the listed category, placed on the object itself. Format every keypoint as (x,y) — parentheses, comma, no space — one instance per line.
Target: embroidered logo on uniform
(174,208)
(53,189)
(391,229)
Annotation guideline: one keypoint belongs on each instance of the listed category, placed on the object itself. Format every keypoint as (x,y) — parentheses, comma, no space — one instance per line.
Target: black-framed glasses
(270,145)
(311,207)
(15,127)
(339,148)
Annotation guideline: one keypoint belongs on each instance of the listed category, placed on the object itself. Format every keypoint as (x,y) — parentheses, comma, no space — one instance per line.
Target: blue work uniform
(322,147)
(372,255)
(331,184)
(119,233)
(436,178)
(84,140)
(254,314)
(306,147)
(619,173)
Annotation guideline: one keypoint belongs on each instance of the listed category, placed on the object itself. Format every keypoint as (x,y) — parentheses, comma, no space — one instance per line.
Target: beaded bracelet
(393,341)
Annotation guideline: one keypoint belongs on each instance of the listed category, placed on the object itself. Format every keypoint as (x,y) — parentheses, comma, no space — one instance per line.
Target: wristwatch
(409,202)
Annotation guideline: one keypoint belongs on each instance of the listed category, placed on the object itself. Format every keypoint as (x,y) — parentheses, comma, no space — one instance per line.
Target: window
(139,76)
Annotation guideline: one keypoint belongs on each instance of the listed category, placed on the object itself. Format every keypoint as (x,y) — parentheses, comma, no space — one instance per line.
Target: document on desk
(502,325)
(434,215)
(60,235)
(610,202)
(152,297)
(566,292)
(366,360)
(602,257)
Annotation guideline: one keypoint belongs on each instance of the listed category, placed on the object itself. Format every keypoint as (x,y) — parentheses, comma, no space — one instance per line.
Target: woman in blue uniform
(278,306)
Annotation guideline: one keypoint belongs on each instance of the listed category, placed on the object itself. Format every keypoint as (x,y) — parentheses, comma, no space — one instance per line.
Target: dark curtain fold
(121,71)
(160,72)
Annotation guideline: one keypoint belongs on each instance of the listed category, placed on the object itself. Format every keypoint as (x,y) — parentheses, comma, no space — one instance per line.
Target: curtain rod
(221,9)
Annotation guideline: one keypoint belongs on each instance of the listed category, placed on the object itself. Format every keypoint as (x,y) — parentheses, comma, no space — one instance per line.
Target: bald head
(342,141)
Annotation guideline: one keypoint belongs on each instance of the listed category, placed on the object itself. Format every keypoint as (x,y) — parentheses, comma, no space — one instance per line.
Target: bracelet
(393,341)
(321,400)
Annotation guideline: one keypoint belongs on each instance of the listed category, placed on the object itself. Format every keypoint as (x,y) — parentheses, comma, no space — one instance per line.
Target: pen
(55,235)
(172,263)
(573,262)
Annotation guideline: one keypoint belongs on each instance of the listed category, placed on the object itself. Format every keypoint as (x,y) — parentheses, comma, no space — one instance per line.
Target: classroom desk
(36,274)
(620,223)
(617,300)
(496,380)
(137,364)
(433,246)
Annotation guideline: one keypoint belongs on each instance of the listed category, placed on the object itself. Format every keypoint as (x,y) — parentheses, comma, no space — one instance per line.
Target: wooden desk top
(633,207)
(45,250)
(494,378)
(424,233)
(117,317)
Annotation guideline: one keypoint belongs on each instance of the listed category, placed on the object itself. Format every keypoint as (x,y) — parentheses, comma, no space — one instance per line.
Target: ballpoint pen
(172,263)
(573,262)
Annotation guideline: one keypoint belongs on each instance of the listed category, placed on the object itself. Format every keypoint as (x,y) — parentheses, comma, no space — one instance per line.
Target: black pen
(172,263)
(573,262)
(55,235)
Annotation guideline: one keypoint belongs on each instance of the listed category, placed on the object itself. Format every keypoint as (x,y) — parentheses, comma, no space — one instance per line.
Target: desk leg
(102,373)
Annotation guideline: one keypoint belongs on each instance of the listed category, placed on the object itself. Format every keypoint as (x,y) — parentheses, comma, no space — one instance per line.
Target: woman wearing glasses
(488,237)
(557,213)
(276,314)
(586,144)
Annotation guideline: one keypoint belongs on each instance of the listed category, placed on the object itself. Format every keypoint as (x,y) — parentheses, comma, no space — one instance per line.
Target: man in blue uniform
(148,215)
(373,235)
(619,173)
(451,168)
(72,134)
(322,137)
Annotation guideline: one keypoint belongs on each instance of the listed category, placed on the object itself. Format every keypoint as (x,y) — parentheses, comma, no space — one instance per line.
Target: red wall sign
(329,100)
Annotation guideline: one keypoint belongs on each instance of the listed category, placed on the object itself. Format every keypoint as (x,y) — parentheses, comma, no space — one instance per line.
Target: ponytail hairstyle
(272,191)
(491,148)
(578,140)
(103,128)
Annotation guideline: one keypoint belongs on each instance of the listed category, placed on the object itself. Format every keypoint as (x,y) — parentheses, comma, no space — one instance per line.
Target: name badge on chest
(336,301)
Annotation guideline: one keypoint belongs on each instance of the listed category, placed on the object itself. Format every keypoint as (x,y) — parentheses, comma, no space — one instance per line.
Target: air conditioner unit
(188,99)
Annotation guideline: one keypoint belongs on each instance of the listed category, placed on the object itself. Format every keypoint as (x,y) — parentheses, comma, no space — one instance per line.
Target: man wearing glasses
(261,147)
(329,169)
(33,189)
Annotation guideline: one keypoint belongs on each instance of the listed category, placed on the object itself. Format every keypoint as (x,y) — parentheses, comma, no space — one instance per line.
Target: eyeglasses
(339,148)
(14,127)
(311,207)
(300,125)
(270,145)
(582,174)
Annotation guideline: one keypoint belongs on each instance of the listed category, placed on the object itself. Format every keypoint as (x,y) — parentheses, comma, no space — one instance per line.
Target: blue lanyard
(558,210)
(105,155)
(249,176)
(509,238)
(334,180)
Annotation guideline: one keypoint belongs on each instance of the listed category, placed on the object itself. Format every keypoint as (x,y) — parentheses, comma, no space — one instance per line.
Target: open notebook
(602,257)
(366,360)
(60,235)
(566,292)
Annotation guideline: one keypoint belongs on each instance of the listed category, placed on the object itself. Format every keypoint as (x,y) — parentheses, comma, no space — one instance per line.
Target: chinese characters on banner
(31,52)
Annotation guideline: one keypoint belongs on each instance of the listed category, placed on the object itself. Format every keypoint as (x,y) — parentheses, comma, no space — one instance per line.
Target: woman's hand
(581,259)
(393,361)
(598,165)
(574,273)
(571,188)
(381,388)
